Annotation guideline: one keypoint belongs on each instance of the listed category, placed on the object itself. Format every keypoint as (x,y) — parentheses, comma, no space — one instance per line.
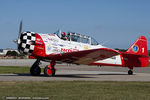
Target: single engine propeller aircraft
(78,49)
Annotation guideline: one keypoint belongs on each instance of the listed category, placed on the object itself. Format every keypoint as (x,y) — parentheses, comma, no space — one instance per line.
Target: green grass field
(14,69)
(78,90)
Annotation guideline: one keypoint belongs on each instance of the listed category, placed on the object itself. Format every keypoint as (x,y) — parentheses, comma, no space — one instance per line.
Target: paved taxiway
(74,73)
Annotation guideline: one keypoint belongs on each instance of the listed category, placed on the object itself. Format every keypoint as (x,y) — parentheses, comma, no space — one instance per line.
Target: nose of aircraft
(26,42)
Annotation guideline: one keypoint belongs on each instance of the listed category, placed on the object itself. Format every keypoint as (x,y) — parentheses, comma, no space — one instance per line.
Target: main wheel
(130,72)
(49,72)
(35,71)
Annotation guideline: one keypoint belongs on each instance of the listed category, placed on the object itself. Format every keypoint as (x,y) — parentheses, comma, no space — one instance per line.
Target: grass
(78,90)
(15,69)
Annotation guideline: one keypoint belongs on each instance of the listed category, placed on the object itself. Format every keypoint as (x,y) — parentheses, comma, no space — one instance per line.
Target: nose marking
(27,42)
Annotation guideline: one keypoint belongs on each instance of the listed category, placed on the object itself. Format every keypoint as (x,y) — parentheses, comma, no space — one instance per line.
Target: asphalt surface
(76,73)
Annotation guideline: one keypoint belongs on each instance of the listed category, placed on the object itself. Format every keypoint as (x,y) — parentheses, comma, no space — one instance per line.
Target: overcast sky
(117,23)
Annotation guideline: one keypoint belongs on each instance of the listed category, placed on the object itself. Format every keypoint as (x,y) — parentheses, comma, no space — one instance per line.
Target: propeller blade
(20,32)
(20,29)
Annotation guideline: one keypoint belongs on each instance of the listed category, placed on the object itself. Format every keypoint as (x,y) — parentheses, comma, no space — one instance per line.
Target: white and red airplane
(78,49)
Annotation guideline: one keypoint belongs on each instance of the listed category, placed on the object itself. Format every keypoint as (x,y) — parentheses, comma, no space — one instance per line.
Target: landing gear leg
(35,70)
(130,72)
(50,69)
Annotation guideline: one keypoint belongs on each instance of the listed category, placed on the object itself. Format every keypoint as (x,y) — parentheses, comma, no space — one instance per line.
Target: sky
(113,23)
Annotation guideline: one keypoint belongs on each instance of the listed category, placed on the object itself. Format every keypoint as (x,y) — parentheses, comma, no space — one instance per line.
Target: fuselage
(44,46)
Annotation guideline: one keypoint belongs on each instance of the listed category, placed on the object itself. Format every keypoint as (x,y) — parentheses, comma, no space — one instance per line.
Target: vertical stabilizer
(137,54)
(139,47)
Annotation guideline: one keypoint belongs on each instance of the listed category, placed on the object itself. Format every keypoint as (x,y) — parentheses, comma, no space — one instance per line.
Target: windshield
(58,33)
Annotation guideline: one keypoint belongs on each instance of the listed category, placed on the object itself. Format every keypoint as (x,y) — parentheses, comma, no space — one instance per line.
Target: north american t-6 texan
(74,48)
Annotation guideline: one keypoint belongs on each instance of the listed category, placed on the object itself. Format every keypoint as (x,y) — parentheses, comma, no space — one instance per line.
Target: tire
(49,72)
(130,72)
(35,71)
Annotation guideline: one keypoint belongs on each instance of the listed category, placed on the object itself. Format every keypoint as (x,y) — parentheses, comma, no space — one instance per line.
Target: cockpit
(76,37)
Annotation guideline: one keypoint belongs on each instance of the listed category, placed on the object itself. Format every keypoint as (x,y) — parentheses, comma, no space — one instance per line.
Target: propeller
(20,30)
(17,41)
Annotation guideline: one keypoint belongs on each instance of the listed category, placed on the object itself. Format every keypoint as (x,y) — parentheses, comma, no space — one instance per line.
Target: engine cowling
(27,43)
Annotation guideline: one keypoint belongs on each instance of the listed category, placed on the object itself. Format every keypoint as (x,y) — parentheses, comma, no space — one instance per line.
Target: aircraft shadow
(62,75)
(68,75)
(112,74)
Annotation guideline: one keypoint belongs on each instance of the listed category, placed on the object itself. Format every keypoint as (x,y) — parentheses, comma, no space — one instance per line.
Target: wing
(84,56)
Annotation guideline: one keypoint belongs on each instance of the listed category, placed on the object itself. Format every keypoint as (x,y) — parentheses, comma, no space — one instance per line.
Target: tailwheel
(130,72)
(35,70)
(49,71)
